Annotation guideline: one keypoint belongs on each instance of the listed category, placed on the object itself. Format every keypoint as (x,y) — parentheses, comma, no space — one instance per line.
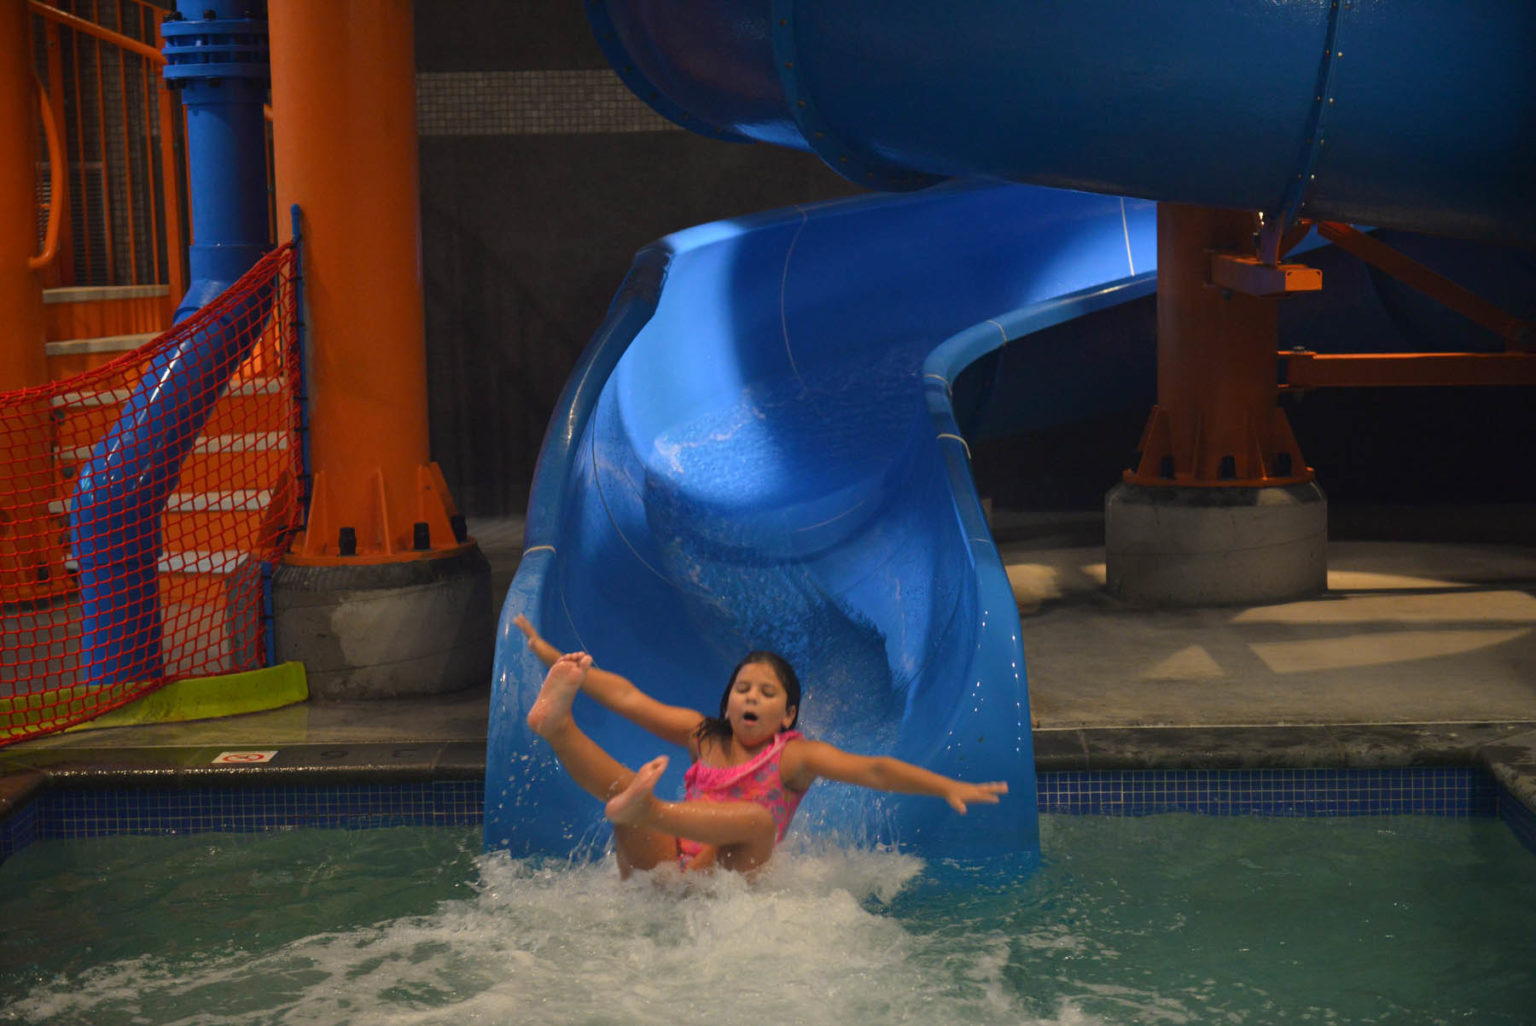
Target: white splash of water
(549,943)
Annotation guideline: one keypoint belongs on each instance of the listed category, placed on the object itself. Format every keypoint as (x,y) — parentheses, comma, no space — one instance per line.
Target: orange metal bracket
(1517,333)
(1304,369)
(1269,456)
(380,539)
(1253,277)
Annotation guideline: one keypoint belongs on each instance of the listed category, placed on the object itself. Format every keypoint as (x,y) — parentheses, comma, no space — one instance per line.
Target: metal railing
(122,135)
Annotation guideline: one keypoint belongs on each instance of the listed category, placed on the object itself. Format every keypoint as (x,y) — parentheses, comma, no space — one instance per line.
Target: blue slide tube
(216,54)
(756,451)
(216,51)
(1412,116)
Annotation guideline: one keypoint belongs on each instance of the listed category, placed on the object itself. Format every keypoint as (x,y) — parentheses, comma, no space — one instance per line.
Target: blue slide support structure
(756,448)
(757,451)
(216,52)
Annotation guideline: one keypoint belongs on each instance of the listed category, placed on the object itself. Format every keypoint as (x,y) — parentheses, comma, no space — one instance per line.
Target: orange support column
(344,130)
(381,520)
(1221,506)
(31,541)
(1216,421)
(22,361)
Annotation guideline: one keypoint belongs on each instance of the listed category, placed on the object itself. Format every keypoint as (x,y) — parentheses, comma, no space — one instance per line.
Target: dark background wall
(540,177)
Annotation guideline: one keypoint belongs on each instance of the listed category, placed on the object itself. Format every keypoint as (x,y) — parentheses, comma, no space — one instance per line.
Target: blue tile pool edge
(1520,820)
(1421,790)
(68,814)
(1463,792)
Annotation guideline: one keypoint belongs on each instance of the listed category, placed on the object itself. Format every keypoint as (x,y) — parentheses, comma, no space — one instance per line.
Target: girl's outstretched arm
(669,722)
(804,761)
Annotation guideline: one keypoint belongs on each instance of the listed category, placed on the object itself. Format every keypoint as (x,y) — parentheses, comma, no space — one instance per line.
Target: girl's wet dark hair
(719,728)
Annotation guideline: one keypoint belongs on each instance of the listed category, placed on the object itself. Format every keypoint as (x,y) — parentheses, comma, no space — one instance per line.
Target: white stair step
(193,561)
(196,561)
(103,344)
(256,386)
(114,396)
(258,441)
(98,293)
(90,400)
(249,500)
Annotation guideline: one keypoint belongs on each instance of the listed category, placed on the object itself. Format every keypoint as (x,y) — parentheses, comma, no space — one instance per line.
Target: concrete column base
(1215,546)
(387,630)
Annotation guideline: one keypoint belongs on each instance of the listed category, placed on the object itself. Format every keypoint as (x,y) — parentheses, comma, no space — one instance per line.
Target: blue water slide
(1415,116)
(757,450)
(757,447)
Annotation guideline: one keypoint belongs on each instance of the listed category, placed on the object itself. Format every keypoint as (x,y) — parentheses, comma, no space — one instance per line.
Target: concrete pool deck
(1421,653)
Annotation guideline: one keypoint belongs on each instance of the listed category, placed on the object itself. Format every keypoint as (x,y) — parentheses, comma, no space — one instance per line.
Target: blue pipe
(216,54)
(1408,116)
(216,51)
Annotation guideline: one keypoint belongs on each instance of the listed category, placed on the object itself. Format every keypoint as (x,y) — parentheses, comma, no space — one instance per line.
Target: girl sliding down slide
(750,766)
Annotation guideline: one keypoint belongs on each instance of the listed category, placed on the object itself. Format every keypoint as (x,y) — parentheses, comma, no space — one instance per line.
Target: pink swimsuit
(755,781)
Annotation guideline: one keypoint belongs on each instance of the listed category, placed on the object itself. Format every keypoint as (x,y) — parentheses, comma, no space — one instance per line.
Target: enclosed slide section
(1414,116)
(757,451)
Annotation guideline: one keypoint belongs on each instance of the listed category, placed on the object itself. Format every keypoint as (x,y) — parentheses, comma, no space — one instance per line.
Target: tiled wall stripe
(1431,791)
(1435,791)
(463,103)
(78,814)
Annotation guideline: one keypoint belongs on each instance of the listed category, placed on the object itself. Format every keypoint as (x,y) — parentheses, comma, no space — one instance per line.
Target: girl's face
(758,707)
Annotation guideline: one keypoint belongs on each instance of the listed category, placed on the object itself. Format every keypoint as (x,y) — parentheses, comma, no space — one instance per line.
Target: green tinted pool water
(1160,919)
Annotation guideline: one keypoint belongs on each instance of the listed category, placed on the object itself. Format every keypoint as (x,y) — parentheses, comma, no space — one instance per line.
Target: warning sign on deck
(243,758)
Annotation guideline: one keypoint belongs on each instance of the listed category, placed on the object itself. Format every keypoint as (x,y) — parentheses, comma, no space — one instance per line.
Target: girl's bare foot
(552,709)
(629,806)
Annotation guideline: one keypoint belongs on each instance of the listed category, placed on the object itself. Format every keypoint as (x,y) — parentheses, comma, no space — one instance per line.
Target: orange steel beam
(147,77)
(62,270)
(133,230)
(80,195)
(343,93)
(1302,370)
(1217,420)
(109,250)
(169,113)
(90,28)
(31,546)
(1517,333)
(22,361)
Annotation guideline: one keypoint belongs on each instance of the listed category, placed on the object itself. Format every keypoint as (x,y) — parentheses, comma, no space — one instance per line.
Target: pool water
(1158,919)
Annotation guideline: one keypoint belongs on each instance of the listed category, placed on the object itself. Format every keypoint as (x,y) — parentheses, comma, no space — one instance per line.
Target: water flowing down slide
(757,450)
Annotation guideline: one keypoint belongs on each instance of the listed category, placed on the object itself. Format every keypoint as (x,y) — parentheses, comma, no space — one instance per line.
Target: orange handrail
(90,28)
(57,185)
(122,85)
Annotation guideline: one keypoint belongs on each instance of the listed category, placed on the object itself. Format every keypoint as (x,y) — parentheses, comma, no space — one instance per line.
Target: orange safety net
(141,504)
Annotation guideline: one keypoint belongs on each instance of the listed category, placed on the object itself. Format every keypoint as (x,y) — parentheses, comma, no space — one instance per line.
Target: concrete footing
(1215,546)
(388,630)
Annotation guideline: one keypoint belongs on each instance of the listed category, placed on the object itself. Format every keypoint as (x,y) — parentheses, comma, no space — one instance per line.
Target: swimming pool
(1333,909)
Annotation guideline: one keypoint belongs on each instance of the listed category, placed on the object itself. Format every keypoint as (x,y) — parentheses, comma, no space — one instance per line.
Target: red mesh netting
(138,504)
